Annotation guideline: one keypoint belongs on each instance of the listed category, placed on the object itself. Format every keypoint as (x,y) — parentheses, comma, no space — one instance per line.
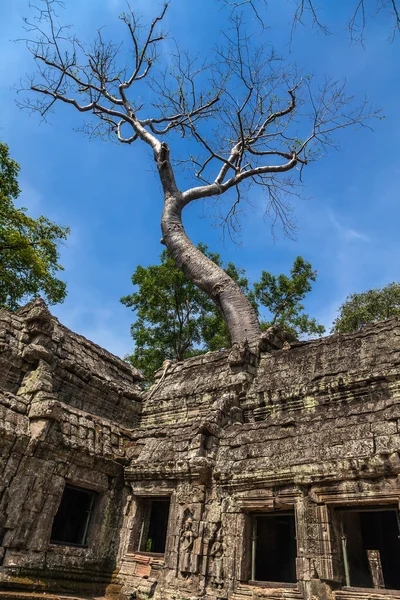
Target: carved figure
(217,554)
(186,539)
(239,353)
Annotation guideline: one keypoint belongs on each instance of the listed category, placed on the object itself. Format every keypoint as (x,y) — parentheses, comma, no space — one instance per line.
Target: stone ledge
(349,593)
(5,595)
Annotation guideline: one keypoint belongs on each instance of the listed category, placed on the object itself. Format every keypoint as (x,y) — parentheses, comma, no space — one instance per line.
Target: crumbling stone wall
(303,429)
(62,402)
(311,427)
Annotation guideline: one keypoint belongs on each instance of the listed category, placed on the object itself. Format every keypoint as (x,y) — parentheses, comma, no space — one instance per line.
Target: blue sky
(110,197)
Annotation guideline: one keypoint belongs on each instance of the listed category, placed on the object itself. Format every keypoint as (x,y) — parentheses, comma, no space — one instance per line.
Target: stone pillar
(318,568)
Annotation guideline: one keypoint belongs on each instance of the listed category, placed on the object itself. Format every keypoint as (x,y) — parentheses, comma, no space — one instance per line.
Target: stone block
(386,444)
(384,427)
(26,558)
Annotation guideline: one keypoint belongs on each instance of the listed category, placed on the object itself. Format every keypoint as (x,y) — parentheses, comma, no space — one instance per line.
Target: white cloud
(348,234)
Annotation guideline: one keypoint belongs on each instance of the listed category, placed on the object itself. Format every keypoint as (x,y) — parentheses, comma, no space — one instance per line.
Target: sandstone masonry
(235,476)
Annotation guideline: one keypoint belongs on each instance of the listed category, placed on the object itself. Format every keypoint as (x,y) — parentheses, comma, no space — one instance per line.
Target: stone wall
(312,428)
(62,402)
(304,430)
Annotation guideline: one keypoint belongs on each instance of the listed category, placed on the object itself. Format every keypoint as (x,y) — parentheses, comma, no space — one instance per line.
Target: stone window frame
(88,519)
(135,520)
(86,485)
(263,501)
(146,518)
(270,582)
(330,498)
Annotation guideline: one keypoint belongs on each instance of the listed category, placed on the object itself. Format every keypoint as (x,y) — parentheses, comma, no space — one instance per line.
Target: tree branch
(234,111)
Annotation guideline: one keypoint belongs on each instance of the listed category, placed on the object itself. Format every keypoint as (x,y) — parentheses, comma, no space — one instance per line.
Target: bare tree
(251,120)
(360,12)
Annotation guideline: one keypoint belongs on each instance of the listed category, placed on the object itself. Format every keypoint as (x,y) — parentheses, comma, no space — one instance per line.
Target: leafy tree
(175,319)
(368,307)
(282,297)
(237,119)
(28,247)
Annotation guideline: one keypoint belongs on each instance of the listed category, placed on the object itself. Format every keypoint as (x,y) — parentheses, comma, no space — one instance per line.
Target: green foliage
(28,247)
(282,297)
(368,307)
(149,545)
(175,320)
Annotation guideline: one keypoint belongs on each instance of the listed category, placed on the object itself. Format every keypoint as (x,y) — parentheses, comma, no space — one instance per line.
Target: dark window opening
(71,522)
(153,534)
(274,548)
(371,547)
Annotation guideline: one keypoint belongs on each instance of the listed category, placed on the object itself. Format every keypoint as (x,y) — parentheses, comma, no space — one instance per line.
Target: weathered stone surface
(302,429)
(63,401)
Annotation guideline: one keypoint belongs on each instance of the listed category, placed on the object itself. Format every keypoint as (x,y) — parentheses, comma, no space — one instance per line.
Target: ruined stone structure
(234,477)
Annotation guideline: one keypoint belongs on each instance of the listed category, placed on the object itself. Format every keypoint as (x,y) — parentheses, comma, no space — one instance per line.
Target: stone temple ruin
(236,476)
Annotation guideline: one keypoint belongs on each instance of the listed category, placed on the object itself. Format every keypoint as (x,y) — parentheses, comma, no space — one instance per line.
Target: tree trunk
(237,311)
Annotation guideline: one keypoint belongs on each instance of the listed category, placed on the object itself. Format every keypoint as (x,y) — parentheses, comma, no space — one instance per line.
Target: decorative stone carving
(224,435)
(375,566)
(239,353)
(217,554)
(276,338)
(187,538)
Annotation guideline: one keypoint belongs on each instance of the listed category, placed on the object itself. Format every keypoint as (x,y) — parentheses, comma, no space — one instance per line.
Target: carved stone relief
(217,553)
(186,539)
